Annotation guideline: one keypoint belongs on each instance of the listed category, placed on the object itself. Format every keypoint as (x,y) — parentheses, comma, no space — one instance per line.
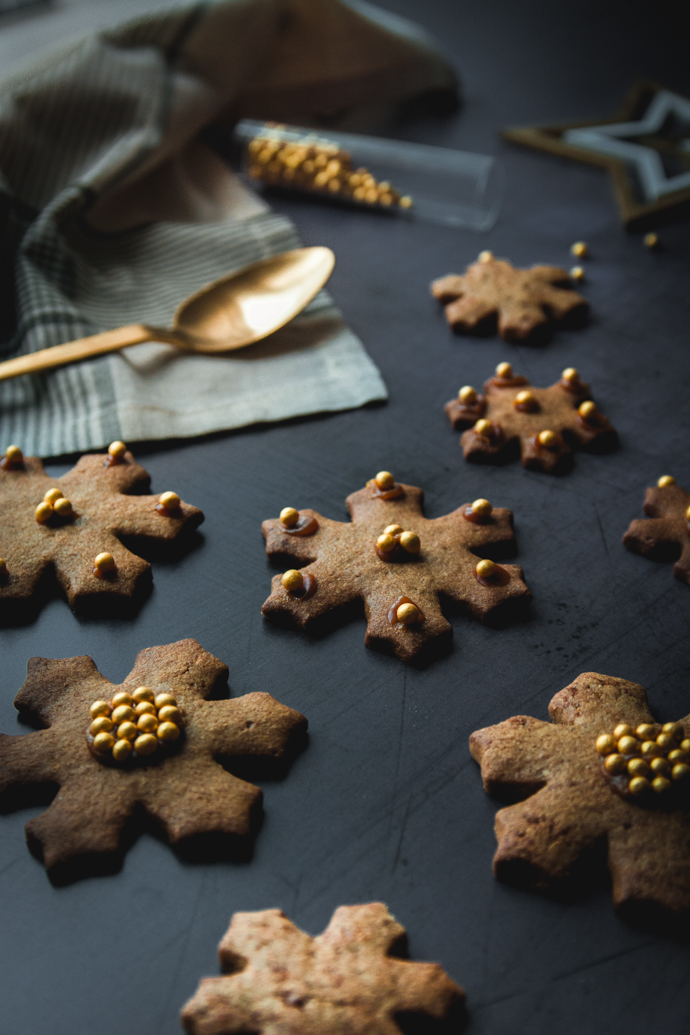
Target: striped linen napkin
(114,211)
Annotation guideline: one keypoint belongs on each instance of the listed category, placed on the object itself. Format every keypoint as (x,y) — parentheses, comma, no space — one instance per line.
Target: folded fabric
(114,211)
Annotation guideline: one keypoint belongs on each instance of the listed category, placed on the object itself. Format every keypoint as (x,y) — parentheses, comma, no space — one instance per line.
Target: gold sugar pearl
(547,438)
(62,507)
(660,766)
(673,729)
(393,530)
(485,569)
(127,731)
(3,567)
(292,580)
(169,500)
(685,744)
(677,756)
(52,496)
(165,699)
(660,784)
(638,785)
(687,514)
(117,450)
(103,742)
(577,273)
(410,542)
(651,240)
(614,764)
(579,250)
(645,731)
(485,256)
(680,771)
(289,516)
(504,370)
(628,745)
(623,730)
(650,748)
(142,694)
(44,512)
(102,724)
(147,723)
(665,742)
(405,201)
(467,395)
(666,479)
(524,398)
(99,708)
(638,767)
(587,409)
(570,374)
(145,708)
(168,731)
(483,427)
(122,697)
(123,713)
(384,480)
(122,749)
(605,744)
(407,614)
(104,562)
(386,543)
(146,744)
(14,455)
(170,714)
(482,508)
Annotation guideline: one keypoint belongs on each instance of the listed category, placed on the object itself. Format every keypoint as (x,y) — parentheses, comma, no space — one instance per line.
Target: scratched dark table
(385,802)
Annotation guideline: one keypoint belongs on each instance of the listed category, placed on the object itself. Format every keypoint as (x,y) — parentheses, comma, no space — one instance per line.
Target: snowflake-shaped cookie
(71,528)
(395,560)
(347,980)
(568,801)
(186,791)
(543,424)
(667,536)
(522,301)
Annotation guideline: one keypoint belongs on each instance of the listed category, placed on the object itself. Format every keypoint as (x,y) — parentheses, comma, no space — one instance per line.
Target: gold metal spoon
(228,314)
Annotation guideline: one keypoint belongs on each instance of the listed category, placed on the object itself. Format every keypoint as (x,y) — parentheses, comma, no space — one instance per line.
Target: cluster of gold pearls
(665,480)
(646,758)
(579,250)
(319,166)
(54,503)
(135,724)
(394,536)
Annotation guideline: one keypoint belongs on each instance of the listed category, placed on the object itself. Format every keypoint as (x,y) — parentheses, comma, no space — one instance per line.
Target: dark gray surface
(386,802)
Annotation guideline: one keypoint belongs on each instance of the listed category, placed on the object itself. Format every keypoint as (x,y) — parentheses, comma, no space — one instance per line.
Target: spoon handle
(82,348)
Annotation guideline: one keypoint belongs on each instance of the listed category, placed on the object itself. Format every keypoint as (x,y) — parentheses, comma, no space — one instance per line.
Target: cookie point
(289,516)
(504,370)
(467,395)
(579,250)
(384,480)
(292,580)
(666,479)
(482,507)
(408,613)
(117,450)
(485,569)
(169,500)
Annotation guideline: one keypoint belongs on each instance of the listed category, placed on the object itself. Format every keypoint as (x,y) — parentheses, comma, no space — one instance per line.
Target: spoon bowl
(227,314)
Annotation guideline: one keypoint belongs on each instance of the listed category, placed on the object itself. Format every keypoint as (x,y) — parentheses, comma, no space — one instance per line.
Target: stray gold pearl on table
(605,744)
(570,374)
(62,507)
(384,480)
(168,731)
(405,201)
(289,516)
(146,744)
(117,450)
(393,530)
(52,496)
(482,508)
(169,500)
(577,273)
(483,427)
(143,693)
(44,512)
(407,614)
(122,749)
(104,562)
(99,708)
(587,409)
(14,455)
(486,256)
(103,741)
(485,569)
(504,370)
(579,250)
(666,479)
(547,438)
(651,240)
(293,580)
(467,395)
(410,542)
(165,699)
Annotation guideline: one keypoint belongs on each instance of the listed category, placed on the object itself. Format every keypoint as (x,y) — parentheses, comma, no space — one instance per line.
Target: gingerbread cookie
(152,743)
(396,561)
(545,424)
(71,528)
(604,774)
(522,301)
(350,979)
(667,536)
